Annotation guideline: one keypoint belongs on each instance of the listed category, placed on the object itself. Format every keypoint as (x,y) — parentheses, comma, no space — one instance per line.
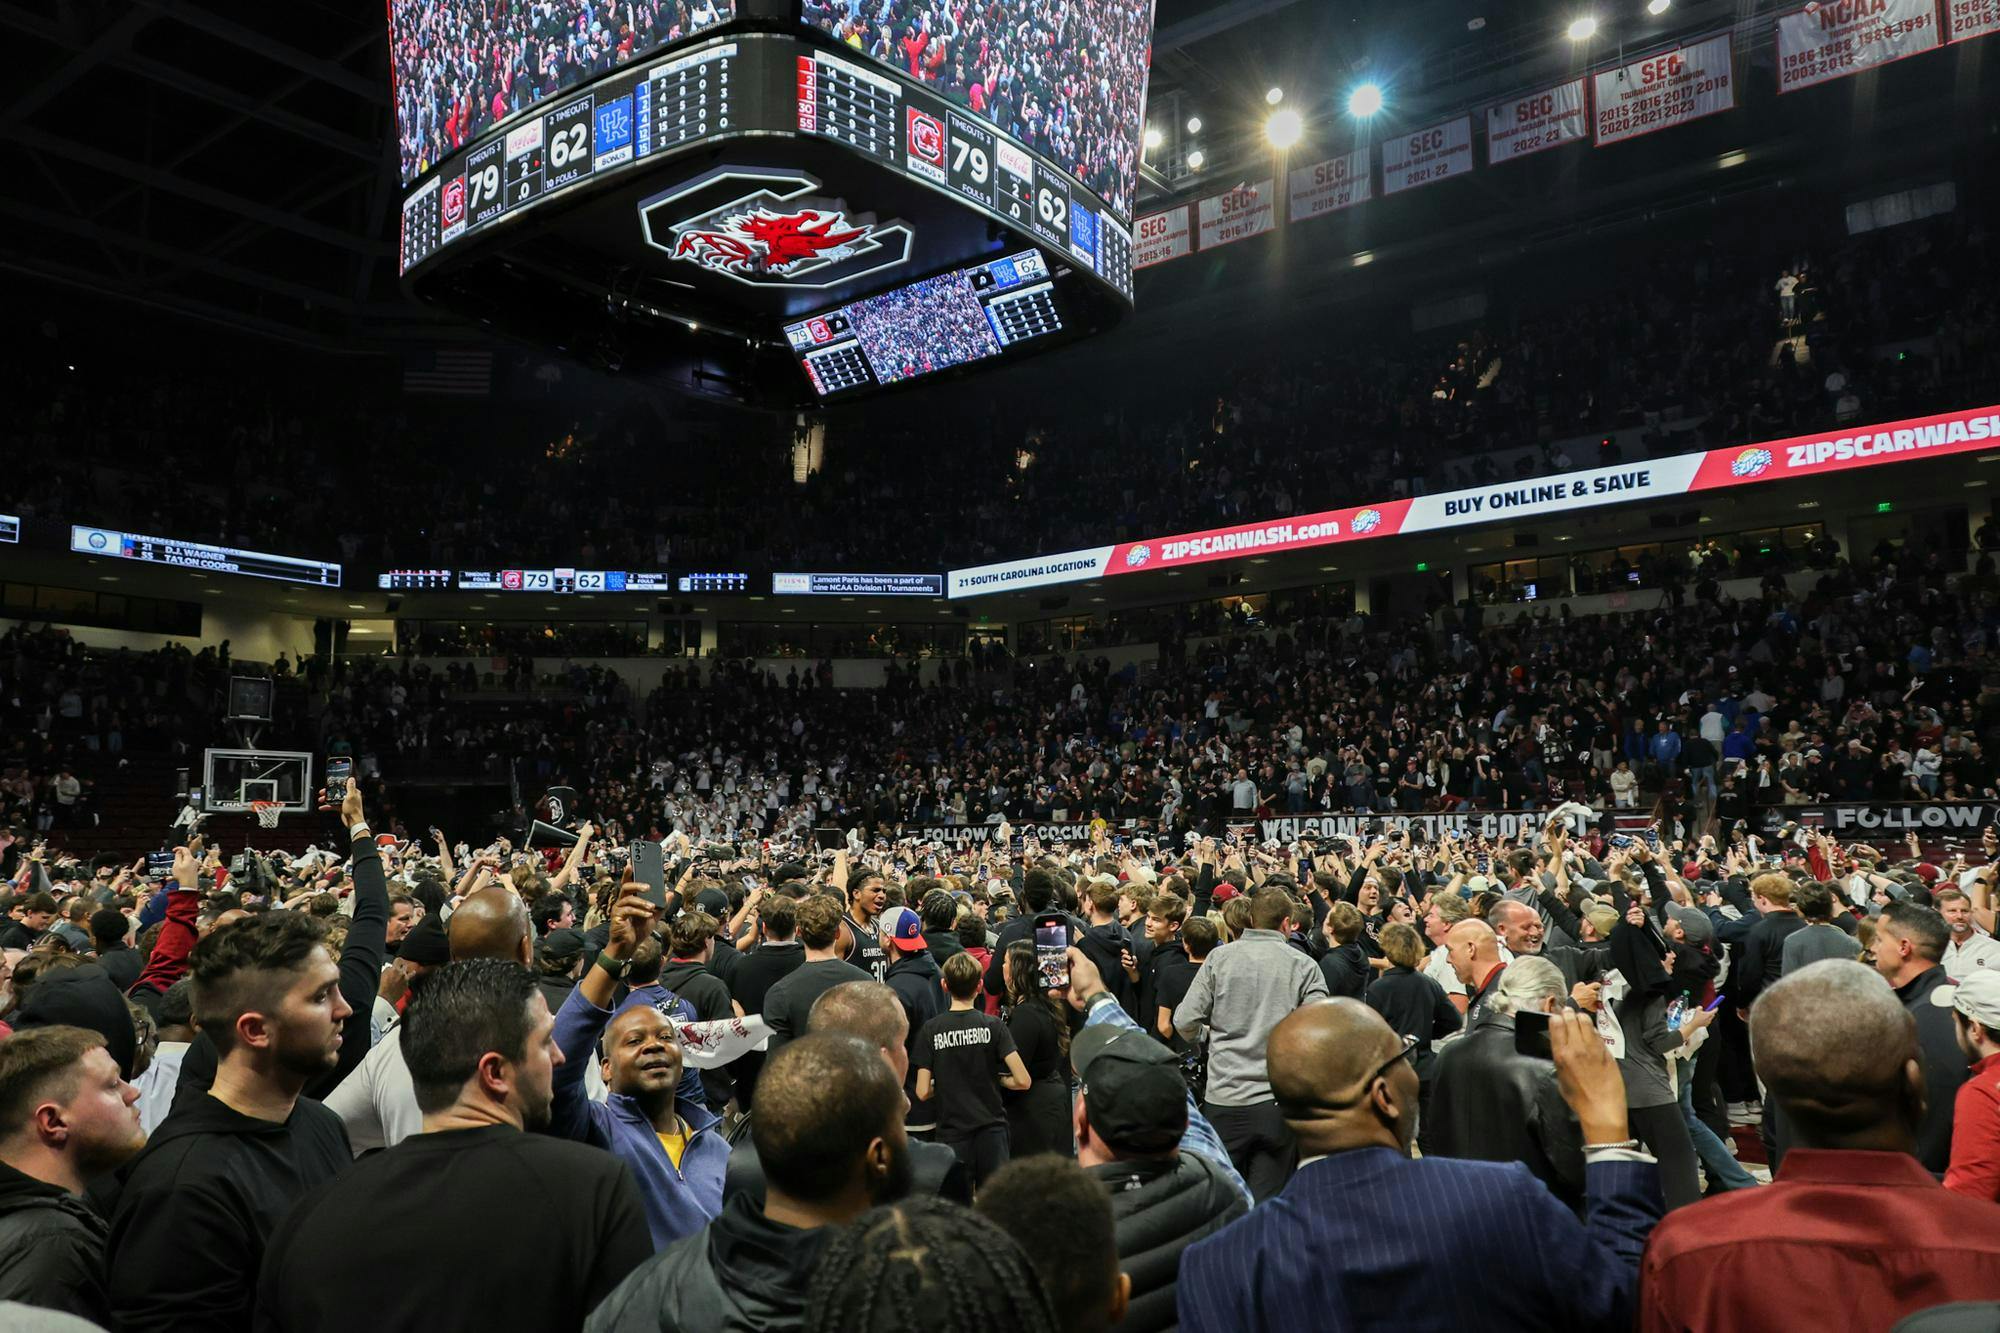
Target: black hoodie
(197,1206)
(83,997)
(920,986)
(51,1247)
(743,1273)
(1105,946)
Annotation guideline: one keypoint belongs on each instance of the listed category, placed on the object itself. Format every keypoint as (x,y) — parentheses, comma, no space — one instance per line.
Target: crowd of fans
(1903,324)
(1065,77)
(924,327)
(1085,1084)
(461,67)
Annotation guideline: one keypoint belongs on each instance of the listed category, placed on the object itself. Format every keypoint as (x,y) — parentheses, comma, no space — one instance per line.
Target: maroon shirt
(1839,1240)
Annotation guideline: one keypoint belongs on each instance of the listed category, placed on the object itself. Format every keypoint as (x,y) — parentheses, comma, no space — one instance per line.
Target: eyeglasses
(1409,1044)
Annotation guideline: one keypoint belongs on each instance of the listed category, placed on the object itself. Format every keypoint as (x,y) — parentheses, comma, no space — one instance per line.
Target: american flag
(455,372)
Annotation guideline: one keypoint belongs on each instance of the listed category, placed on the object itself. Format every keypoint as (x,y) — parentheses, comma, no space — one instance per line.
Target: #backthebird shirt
(966,1051)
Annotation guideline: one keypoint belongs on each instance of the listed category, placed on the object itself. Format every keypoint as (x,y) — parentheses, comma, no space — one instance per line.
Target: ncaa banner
(1547,119)
(1237,214)
(1337,183)
(1428,156)
(1966,19)
(1159,237)
(1832,40)
(1666,89)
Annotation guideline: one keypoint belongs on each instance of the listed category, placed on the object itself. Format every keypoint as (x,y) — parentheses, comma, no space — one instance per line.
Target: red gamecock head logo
(780,244)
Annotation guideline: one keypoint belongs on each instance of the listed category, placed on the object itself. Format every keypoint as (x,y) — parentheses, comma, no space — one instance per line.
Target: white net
(267,812)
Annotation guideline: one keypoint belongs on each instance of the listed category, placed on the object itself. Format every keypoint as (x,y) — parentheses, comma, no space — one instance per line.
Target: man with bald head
(1363,1236)
(871,1011)
(1474,951)
(1525,935)
(1861,1234)
(377,1102)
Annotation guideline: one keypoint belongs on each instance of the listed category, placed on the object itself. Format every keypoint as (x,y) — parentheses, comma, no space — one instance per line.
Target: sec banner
(1329,186)
(1428,156)
(1160,237)
(1834,40)
(1665,89)
(1966,19)
(1547,119)
(1237,214)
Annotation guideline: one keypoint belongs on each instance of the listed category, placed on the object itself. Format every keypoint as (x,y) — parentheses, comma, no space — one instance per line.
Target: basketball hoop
(267,812)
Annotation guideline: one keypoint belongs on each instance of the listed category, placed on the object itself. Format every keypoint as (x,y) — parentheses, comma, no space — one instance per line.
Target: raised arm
(367,945)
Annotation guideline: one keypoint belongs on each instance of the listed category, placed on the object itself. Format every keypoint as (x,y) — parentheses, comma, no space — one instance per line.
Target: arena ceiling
(231,162)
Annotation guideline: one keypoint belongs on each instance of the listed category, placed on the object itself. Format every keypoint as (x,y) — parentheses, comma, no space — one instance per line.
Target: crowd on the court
(1121,1080)
(1065,77)
(461,67)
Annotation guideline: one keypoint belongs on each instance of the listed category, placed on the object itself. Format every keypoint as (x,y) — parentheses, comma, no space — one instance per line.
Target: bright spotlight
(1194,124)
(1658,7)
(1274,96)
(1284,129)
(1583,29)
(1365,101)
(1153,137)
(1195,159)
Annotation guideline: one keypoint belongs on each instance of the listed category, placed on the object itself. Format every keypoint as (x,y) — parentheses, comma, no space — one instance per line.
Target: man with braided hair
(830,1139)
(926,1266)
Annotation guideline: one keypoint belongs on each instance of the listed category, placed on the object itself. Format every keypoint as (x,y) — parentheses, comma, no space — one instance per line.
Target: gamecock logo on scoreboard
(761,241)
(778,233)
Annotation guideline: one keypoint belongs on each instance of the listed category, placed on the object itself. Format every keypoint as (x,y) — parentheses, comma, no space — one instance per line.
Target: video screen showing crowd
(463,66)
(1065,77)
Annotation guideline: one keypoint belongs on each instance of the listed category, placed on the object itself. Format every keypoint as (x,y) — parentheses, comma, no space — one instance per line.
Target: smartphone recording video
(1052,950)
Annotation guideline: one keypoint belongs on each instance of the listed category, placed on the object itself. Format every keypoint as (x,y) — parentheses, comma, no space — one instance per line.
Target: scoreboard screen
(760,88)
(710,582)
(1068,81)
(397,580)
(562,580)
(968,314)
(458,69)
(202,555)
(10,528)
(858,585)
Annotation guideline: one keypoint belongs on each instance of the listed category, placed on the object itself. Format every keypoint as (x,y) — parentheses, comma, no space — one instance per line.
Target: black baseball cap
(1135,1099)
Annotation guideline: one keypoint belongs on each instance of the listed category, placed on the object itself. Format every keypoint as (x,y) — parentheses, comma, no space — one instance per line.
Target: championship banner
(1665,89)
(1337,183)
(1833,40)
(1909,440)
(1428,156)
(1427,828)
(1159,237)
(1547,119)
(1966,19)
(1237,214)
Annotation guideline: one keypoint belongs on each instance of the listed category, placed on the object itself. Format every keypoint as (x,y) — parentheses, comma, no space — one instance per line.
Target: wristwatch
(615,968)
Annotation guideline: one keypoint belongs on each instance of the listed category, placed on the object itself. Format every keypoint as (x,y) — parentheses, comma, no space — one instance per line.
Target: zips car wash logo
(769,227)
(1750,463)
(1138,556)
(1365,522)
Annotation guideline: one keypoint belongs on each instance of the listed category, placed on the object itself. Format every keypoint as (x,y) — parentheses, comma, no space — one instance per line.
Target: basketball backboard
(233,779)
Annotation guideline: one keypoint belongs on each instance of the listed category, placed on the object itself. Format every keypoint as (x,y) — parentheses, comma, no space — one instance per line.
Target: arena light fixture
(1582,29)
(1195,159)
(1194,124)
(1274,95)
(1284,129)
(1658,7)
(1365,100)
(1153,137)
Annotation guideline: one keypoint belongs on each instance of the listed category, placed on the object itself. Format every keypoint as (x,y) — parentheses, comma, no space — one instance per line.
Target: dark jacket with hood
(1105,946)
(83,997)
(195,1209)
(51,1247)
(693,982)
(743,1273)
(1159,1208)
(942,944)
(920,986)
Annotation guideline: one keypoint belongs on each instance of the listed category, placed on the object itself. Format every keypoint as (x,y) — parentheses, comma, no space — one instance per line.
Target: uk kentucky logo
(770,227)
